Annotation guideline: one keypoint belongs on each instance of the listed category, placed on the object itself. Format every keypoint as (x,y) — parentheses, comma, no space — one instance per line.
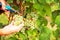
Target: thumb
(22,24)
(12,23)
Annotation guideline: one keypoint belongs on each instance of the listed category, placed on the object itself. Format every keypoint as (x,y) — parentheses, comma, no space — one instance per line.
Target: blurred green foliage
(35,27)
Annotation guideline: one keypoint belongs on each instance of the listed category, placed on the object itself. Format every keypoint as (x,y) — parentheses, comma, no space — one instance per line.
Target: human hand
(11,28)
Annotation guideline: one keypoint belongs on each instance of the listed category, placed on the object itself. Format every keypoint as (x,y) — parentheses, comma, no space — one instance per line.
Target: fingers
(22,23)
(12,23)
(20,27)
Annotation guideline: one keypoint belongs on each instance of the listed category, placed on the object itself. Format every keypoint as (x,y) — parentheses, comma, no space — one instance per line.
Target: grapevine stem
(49,21)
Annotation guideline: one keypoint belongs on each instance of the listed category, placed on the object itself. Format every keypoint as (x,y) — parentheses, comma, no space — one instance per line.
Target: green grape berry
(18,19)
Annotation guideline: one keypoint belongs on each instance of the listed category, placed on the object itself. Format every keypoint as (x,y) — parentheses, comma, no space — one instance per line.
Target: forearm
(4,32)
(1,33)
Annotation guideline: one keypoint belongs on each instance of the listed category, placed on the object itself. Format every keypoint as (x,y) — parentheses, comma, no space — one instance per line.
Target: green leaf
(12,38)
(34,32)
(42,1)
(44,33)
(37,23)
(29,32)
(57,21)
(3,20)
(36,5)
(48,1)
(10,1)
(28,0)
(47,9)
(44,29)
(57,33)
(52,37)
(22,36)
(55,6)
(44,36)
(56,1)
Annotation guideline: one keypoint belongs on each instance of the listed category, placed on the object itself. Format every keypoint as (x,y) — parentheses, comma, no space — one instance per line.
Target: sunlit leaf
(57,21)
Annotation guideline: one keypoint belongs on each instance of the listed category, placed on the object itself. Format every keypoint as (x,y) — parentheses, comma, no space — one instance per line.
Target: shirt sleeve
(8,7)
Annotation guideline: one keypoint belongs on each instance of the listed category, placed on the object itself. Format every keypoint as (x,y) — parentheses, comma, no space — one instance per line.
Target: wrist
(1,32)
(4,32)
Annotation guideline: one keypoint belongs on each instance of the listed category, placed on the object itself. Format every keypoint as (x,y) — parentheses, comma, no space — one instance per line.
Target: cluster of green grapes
(30,20)
(29,23)
(18,20)
(29,30)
